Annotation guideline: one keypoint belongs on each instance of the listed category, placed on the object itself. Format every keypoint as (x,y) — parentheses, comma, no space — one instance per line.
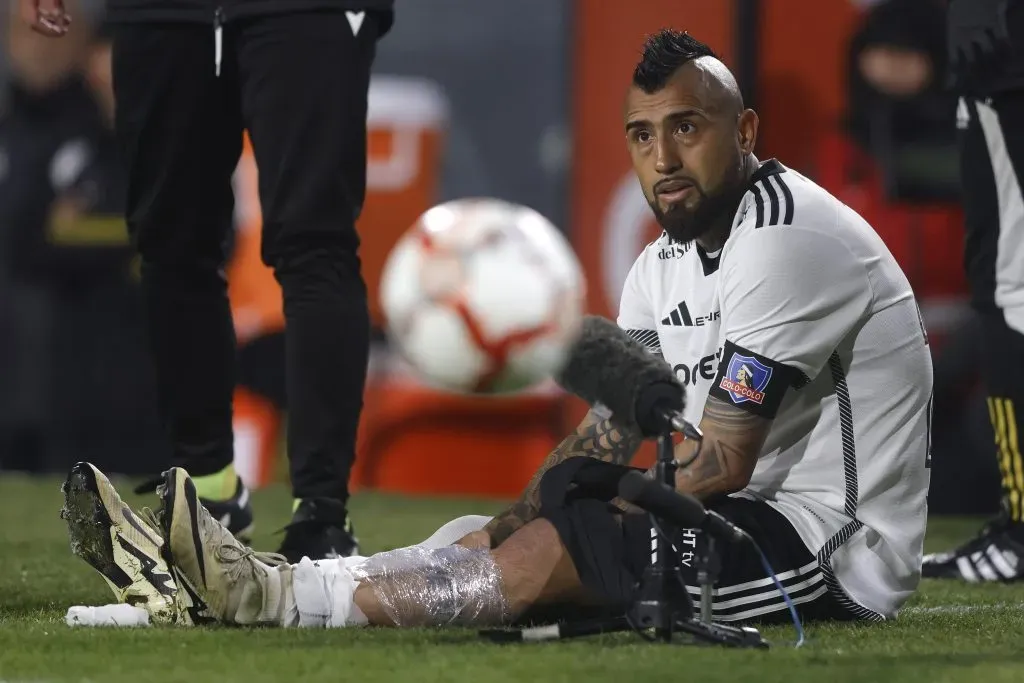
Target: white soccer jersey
(805,316)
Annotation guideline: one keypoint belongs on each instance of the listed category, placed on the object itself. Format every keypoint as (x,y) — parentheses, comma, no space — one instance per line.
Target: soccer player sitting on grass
(810,377)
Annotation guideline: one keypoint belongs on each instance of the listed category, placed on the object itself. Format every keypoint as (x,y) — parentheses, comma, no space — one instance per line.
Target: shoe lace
(242,559)
(153,519)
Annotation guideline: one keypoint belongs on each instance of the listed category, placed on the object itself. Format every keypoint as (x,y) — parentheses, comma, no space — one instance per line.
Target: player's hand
(978,32)
(476,540)
(47,17)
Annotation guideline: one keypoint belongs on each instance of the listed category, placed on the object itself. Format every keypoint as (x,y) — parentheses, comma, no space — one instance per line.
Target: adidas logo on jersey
(680,317)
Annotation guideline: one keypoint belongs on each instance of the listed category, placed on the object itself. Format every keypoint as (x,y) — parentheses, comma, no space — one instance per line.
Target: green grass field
(950,633)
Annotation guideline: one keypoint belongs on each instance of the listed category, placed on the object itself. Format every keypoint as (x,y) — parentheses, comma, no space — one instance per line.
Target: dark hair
(664,52)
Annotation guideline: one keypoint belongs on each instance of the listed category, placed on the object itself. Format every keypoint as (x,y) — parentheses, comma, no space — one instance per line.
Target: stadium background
(515,100)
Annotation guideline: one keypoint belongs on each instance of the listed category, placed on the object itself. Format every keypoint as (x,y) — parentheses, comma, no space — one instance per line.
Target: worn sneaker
(238,585)
(235,513)
(125,548)
(995,554)
(320,529)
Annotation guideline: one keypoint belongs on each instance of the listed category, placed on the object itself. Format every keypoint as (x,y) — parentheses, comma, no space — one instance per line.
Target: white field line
(963,609)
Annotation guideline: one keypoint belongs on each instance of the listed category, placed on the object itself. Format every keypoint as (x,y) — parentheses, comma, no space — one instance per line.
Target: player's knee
(534,567)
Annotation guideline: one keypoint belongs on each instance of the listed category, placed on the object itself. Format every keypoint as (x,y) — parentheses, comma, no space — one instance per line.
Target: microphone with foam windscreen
(680,509)
(606,366)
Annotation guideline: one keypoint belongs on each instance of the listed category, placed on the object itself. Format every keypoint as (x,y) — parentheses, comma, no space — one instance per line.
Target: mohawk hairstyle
(664,52)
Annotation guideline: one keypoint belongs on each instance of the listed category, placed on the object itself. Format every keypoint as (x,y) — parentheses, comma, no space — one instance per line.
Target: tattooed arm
(594,438)
(733,439)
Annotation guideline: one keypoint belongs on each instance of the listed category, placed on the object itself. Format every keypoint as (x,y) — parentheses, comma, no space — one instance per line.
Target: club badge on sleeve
(745,379)
(752,381)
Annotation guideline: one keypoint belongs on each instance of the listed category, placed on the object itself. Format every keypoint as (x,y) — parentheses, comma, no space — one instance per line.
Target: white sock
(324,593)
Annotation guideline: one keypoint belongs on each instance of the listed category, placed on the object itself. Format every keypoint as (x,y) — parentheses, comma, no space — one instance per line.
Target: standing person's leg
(992,165)
(305,80)
(179,128)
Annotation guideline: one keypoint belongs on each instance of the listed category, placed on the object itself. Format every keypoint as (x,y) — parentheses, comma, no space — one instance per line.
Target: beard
(683,225)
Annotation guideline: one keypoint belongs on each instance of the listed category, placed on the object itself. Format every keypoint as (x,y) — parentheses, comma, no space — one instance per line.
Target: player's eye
(685,128)
(643,136)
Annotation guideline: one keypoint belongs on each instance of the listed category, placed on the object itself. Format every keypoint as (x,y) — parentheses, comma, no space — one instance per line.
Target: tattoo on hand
(599,439)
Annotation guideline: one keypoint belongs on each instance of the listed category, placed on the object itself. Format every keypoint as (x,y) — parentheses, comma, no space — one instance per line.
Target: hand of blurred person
(476,540)
(47,17)
(895,71)
(978,32)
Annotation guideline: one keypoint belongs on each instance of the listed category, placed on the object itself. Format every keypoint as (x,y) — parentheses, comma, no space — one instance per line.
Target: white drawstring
(218,47)
(218,40)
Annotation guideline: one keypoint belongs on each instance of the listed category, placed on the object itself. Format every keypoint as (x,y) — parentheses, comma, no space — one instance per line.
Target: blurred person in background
(986,52)
(102,379)
(189,76)
(70,247)
(898,108)
(60,252)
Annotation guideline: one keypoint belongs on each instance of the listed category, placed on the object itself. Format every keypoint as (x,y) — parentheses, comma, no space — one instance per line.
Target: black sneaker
(235,513)
(995,554)
(320,529)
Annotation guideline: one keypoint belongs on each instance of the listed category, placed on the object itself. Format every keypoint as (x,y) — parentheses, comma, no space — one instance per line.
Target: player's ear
(746,131)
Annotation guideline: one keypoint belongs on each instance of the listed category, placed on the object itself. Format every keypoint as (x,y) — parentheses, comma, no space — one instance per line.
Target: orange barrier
(416,440)
(257,426)
(406,121)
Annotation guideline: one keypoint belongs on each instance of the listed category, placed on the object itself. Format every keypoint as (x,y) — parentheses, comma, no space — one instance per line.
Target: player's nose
(667,160)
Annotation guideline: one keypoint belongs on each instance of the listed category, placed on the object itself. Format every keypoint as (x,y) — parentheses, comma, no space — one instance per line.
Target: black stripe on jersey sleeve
(759,201)
(773,200)
(752,382)
(648,338)
(788,218)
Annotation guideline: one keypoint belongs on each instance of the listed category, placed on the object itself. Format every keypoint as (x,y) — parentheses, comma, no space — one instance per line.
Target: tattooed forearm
(594,438)
(732,443)
(714,471)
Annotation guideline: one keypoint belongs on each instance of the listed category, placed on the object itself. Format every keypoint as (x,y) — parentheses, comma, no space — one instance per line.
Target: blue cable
(785,595)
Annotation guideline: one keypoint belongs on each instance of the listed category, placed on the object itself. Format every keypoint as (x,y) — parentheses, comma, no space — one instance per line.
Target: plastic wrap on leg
(419,586)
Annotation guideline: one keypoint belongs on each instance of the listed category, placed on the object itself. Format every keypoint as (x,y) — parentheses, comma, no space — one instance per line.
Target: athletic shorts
(611,550)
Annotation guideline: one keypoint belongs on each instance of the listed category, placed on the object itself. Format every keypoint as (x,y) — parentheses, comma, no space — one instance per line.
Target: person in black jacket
(189,76)
(898,108)
(986,40)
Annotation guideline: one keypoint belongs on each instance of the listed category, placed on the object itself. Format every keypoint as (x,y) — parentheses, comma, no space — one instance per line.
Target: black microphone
(608,367)
(682,510)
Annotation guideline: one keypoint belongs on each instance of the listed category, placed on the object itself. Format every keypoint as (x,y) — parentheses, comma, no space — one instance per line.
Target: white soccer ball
(482,296)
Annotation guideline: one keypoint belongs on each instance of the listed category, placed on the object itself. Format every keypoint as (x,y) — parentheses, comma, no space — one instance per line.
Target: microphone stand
(662,599)
(663,603)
